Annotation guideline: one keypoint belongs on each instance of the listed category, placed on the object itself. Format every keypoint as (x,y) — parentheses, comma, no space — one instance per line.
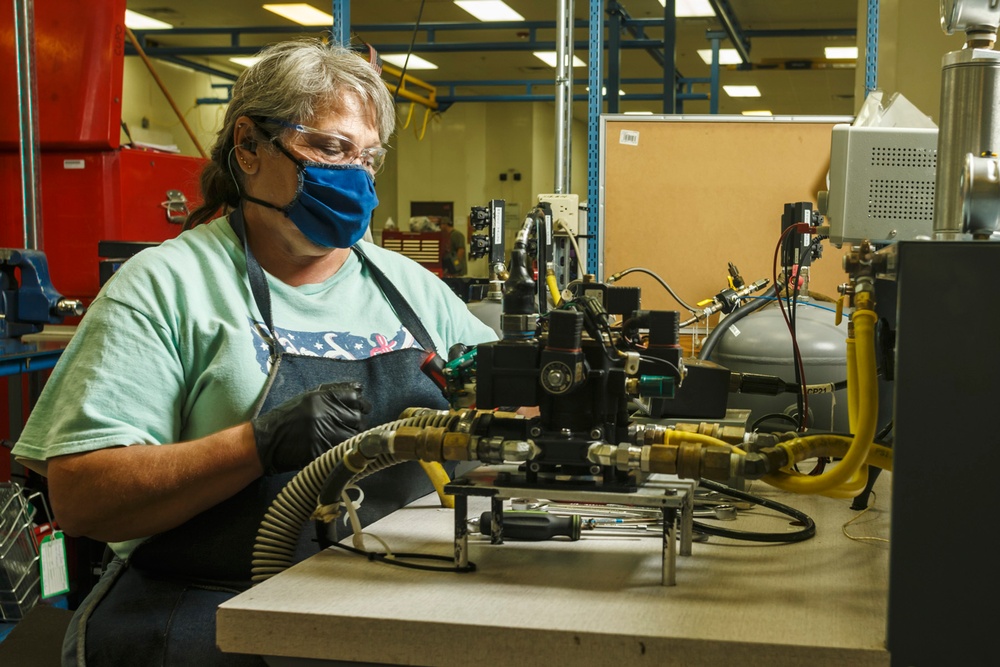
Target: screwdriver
(533,526)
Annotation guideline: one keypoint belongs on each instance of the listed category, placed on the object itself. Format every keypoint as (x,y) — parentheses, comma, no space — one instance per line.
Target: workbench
(595,601)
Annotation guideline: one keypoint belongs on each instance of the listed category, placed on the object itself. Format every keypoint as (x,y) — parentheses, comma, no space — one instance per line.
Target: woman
(243,348)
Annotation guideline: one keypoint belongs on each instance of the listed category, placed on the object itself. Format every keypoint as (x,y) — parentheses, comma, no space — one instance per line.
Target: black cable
(807,532)
(772,385)
(634,269)
(801,398)
(712,341)
(788,317)
(598,327)
(773,415)
(657,360)
(884,433)
(392,559)
(413,40)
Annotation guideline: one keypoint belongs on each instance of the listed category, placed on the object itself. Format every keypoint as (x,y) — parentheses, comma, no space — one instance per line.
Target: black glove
(291,435)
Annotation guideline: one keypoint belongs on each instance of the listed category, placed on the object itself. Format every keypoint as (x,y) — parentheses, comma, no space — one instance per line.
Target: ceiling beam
(733,28)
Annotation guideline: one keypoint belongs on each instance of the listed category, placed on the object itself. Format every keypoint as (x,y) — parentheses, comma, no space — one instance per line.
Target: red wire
(797,356)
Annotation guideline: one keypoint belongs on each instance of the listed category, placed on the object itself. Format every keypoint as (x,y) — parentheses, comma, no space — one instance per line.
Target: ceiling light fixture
(301,13)
(841,52)
(691,8)
(489,10)
(742,91)
(726,56)
(414,62)
(759,112)
(549,58)
(137,21)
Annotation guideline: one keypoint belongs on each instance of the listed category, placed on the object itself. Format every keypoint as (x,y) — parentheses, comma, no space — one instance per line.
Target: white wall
(143,98)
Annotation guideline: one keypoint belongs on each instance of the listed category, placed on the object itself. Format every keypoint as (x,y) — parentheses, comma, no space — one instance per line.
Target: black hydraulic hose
(807,531)
(338,480)
(712,341)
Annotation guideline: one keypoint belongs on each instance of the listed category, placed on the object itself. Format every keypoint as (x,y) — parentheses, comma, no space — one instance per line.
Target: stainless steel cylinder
(970,123)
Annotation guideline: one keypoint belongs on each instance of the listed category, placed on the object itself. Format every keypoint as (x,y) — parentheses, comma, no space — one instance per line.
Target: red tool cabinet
(92,189)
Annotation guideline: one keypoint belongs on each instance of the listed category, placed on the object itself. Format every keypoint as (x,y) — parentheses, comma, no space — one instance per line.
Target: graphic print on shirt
(329,344)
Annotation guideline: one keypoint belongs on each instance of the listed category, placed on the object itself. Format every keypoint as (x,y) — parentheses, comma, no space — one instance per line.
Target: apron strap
(262,294)
(258,282)
(399,303)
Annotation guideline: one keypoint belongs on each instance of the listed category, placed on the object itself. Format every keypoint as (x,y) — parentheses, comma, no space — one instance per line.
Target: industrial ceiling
(786,47)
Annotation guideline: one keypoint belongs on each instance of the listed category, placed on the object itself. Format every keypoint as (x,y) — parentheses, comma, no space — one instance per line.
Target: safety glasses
(334,148)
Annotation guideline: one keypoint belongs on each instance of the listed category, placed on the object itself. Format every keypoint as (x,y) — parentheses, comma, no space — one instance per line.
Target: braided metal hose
(277,537)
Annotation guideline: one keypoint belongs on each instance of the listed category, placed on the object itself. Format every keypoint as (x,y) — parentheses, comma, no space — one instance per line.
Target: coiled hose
(278,534)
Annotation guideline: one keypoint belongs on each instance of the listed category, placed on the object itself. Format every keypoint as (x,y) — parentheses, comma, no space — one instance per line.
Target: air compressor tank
(761,343)
(490,308)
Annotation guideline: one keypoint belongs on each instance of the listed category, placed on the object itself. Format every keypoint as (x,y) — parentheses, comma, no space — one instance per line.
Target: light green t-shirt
(171,349)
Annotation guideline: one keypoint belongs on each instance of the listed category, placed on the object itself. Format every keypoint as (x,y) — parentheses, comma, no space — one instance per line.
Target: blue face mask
(333,204)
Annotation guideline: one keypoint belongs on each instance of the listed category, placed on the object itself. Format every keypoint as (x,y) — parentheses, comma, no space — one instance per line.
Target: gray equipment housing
(882,183)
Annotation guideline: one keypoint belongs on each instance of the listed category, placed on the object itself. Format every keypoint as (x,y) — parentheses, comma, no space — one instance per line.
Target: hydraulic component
(729,299)
(799,230)
(487,240)
(970,111)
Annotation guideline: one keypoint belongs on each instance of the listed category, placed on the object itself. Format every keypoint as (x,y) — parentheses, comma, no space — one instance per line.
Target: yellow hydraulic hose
(849,489)
(857,483)
(800,449)
(864,431)
(439,477)
(830,446)
(550,281)
(672,435)
(834,446)
(852,384)
(852,488)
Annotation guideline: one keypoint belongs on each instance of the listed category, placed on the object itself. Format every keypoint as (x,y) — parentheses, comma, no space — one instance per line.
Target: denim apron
(158,608)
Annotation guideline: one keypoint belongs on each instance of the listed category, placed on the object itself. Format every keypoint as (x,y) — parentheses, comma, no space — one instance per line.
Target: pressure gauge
(963,15)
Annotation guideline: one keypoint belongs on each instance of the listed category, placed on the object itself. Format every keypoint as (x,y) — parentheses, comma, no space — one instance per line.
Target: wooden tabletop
(596,601)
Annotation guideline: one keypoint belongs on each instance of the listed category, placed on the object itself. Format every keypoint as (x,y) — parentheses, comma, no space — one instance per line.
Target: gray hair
(293,81)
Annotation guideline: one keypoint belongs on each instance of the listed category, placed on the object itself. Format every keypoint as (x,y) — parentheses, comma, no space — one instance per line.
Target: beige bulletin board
(685,195)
